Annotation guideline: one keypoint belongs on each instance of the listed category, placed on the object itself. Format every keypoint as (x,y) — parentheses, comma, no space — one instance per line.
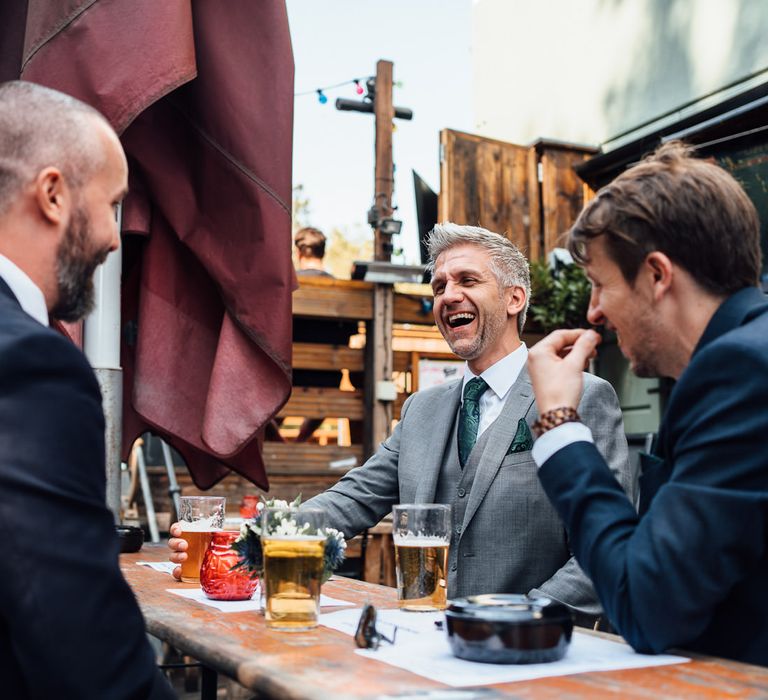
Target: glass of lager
(199,517)
(421,533)
(293,544)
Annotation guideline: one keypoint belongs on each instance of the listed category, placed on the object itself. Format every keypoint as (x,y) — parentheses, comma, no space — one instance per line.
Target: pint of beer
(293,544)
(421,533)
(199,517)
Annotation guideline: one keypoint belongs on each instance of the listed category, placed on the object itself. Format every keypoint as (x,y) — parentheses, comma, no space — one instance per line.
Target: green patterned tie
(469,417)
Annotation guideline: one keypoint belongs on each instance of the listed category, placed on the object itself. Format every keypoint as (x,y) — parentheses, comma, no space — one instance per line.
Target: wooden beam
(329,298)
(379,347)
(410,309)
(327,357)
(385,170)
(380,360)
(292,458)
(314,402)
(352,299)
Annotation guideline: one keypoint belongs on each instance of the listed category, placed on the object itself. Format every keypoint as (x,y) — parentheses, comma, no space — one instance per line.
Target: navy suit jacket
(692,570)
(69,624)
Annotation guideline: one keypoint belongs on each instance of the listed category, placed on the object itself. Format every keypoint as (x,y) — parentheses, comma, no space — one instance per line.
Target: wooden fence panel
(489,183)
(562,191)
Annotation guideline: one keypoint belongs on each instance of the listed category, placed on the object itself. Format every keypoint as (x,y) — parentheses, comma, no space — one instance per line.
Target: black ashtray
(508,629)
(131,538)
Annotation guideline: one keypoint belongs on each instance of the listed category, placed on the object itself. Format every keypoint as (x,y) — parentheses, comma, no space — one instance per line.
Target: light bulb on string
(321,98)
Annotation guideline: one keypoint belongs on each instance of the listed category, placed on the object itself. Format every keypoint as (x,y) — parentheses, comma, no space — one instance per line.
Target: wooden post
(385,175)
(380,339)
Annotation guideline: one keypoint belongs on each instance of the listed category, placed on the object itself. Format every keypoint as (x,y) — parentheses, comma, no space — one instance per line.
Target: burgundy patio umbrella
(201,93)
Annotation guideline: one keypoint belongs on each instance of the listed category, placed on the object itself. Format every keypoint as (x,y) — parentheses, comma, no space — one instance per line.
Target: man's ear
(659,270)
(515,297)
(52,196)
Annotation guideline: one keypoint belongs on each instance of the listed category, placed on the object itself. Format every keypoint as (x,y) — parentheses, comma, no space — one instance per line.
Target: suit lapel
(438,431)
(518,402)
(5,290)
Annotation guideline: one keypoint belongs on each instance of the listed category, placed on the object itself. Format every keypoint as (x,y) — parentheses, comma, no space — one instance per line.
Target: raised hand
(555,364)
(178,549)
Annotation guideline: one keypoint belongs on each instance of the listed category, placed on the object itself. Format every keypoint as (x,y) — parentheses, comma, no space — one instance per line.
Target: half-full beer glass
(293,544)
(421,533)
(199,517)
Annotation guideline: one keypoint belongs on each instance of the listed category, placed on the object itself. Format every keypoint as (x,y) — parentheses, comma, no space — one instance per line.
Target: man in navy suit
(69,624)
(672,248)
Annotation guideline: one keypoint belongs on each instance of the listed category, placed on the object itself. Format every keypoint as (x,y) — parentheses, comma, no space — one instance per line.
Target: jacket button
(454,566)
(458,529)
(462,493)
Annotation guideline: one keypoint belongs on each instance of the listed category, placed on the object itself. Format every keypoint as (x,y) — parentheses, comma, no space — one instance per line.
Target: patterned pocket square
(523,439)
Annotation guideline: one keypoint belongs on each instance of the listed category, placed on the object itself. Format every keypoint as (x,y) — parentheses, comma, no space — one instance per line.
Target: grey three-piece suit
(506,538)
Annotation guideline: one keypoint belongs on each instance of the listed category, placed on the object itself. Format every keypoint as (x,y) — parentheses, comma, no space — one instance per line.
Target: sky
(333,152)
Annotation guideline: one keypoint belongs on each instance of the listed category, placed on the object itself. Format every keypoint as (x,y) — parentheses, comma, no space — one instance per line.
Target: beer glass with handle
(421,532)
(199,517)
(293,545)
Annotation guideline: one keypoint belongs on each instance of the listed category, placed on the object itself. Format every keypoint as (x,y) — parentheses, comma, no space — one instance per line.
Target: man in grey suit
(507,538)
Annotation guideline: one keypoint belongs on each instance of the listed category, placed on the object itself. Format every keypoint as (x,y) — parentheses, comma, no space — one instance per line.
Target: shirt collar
(28,294)
(501,376)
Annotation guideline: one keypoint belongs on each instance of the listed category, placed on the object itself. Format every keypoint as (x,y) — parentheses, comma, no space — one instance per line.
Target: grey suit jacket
(511,540)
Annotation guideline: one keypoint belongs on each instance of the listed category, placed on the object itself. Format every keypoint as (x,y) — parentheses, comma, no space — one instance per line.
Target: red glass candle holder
(218,579)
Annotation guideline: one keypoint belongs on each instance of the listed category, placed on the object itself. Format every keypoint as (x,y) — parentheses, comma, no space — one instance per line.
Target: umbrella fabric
(203,100)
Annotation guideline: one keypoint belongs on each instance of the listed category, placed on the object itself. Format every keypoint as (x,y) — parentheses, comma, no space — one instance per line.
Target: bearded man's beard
(74,270)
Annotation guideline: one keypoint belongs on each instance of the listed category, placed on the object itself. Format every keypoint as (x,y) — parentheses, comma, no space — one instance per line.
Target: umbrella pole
(101,343)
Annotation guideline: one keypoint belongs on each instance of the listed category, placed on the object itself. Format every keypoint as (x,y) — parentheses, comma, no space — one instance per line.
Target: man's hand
(555,365)
(178,549)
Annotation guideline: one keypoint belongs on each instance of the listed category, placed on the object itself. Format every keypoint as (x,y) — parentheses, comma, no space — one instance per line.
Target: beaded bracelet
(554,417)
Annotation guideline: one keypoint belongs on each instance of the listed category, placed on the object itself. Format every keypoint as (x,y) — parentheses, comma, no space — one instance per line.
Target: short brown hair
(687,208)
(310,242)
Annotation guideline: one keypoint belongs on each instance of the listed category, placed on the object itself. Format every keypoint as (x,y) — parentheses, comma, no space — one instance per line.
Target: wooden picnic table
(321,663)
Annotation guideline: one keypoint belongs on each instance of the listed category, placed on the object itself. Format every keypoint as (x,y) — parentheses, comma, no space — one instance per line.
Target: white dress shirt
(500,377)
(25,290)
(557,438)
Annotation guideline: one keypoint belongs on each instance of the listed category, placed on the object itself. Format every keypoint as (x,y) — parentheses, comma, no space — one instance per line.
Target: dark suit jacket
(69,624)
(692,571)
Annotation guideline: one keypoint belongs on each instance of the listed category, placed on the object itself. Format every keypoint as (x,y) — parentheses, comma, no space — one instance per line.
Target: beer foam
(295,538)
(419,540)
(204,525)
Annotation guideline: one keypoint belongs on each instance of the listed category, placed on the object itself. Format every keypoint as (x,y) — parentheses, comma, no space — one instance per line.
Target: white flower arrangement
(248,544)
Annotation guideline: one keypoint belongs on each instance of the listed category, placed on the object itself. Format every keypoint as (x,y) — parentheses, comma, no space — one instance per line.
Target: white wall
(585,70)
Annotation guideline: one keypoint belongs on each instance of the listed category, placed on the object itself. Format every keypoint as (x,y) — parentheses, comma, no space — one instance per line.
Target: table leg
(208,683)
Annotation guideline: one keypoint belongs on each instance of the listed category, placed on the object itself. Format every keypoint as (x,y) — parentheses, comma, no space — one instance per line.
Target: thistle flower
(335,552)
(248,547)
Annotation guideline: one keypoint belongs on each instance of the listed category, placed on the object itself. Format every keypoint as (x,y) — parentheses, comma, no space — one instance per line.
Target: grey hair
(507,263)
(40,128)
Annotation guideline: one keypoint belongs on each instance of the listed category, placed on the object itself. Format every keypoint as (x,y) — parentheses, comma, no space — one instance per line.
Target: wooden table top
(321,663)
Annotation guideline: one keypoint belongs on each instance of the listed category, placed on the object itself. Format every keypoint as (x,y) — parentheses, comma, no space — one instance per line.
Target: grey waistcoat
(453,488)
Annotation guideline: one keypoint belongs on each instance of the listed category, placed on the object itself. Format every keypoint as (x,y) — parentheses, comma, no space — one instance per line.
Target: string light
(320,91)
